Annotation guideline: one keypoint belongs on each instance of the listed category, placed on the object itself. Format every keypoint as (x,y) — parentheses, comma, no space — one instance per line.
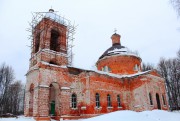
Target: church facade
(56,90)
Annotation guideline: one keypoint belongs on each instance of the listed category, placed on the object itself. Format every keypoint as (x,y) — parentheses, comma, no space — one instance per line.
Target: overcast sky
(150,27)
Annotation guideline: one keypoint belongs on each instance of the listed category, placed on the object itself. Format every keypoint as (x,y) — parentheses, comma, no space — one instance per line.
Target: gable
(155,73)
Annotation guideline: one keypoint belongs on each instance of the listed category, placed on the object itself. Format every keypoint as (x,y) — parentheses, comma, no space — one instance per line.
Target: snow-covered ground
(20,118)
(155,115)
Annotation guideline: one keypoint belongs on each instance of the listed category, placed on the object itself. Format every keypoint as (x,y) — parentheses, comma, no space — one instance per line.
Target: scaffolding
(37,17)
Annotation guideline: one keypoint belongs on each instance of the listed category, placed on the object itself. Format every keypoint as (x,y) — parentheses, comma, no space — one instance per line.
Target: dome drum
(119,59)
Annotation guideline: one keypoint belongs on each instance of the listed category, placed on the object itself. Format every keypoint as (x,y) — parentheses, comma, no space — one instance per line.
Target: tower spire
(116,38)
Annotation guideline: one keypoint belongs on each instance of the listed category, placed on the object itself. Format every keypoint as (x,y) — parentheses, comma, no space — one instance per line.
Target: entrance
(54,92)
(52,108)
(158,101)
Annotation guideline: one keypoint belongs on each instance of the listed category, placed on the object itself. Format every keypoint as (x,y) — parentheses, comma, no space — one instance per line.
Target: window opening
(118,100)
(136,67)
(97,100)
(150,99)
(74,101)
(109,101)
(164,102)
(37,42)
(106,69)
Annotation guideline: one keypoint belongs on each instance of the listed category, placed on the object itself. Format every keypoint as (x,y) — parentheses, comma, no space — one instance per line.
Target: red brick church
(54,89)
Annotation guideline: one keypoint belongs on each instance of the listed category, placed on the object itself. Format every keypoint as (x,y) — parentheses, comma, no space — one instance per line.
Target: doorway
(52,108)
(54,103)
(158,101)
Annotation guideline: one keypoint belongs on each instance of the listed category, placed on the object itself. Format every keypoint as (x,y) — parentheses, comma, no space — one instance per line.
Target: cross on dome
(115,30)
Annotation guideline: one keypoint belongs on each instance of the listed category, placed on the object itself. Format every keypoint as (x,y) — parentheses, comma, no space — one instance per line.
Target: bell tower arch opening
(54,41)
(37,42)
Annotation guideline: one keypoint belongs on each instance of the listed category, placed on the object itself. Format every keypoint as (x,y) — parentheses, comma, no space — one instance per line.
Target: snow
(31,69)
(50,51)
(65,88)
(114,75)
(121,51)
(118,50)
(54,52)
(51,15)
(120,54)
(83,108)
(155,115)
(137,106)
(122,76)
(46,63)
(55,17)
(46,86)
(20,118)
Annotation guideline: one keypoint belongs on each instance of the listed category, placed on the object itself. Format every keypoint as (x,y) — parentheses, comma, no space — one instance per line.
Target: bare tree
(6,78)
(146,67)
(170,71)
(11,92)
(15,97)
(176,5)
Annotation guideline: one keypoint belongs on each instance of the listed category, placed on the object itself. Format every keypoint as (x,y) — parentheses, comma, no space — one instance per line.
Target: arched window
(164,102)
(158,101)
(54,44)
(118,100)
(97,100)
(109,101)
(109,69)
(150,99)
(31,100)
(106,69)
(74,101)
(37,42)
(136,67)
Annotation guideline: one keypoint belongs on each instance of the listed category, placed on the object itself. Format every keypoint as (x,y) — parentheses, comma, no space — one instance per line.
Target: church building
(57,90)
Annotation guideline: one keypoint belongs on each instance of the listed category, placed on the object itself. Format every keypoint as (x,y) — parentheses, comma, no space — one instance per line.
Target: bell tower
(49,43)
(51,47)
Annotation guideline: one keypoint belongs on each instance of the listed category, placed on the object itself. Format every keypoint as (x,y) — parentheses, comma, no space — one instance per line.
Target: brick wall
(120,64)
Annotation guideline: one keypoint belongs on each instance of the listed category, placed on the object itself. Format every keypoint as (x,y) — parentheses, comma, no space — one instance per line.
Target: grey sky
(148,26)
